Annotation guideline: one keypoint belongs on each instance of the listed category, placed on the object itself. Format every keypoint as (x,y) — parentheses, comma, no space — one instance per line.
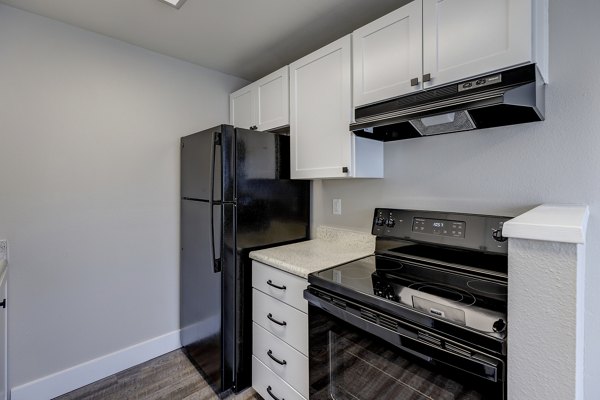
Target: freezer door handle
(216,140)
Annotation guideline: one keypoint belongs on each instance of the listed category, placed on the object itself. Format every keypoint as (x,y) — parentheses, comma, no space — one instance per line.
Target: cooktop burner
(487,287)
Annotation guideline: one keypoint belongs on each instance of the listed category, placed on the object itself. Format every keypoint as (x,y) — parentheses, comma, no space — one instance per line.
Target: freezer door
(271,208)
(201,290)
(198,165)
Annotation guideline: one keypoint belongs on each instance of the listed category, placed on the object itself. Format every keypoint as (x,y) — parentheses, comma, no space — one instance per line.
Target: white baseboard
(83,374)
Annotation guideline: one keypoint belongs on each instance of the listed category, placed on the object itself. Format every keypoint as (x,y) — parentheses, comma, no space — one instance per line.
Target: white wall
(89,182)
(507,170)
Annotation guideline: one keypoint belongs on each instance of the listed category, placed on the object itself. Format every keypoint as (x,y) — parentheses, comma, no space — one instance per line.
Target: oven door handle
(408,340)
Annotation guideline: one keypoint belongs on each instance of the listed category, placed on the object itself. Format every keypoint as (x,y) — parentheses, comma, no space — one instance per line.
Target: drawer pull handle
(270,283)
(281,323)
(278,361)
(272,395)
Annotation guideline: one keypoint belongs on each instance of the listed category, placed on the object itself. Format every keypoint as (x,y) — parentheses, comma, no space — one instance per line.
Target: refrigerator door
(201,290)
(231,299)
(196,164)
(271,208)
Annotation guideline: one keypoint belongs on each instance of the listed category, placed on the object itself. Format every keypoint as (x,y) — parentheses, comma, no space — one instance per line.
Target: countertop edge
(550,222)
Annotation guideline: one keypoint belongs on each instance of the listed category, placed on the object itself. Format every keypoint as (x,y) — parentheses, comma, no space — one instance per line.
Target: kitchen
(90,195)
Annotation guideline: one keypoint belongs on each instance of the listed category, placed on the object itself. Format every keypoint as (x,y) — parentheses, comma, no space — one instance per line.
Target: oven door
(358,353)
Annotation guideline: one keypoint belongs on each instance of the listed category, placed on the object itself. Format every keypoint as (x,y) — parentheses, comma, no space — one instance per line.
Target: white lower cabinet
(288,363)
(279,334)
(282,320)
(269,385)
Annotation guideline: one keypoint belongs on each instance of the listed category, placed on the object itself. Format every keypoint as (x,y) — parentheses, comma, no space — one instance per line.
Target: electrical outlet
(3,250)
(337,206)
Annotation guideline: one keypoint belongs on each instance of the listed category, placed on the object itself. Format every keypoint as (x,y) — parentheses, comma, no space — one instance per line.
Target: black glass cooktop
(466,299)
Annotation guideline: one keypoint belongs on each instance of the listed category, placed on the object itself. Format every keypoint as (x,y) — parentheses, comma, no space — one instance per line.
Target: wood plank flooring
(168,377)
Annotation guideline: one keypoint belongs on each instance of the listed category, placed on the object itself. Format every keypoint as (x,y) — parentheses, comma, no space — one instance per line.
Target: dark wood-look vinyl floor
(168,377)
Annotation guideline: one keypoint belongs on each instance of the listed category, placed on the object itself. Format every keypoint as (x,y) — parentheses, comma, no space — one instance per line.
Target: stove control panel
(441,227)
(469,231)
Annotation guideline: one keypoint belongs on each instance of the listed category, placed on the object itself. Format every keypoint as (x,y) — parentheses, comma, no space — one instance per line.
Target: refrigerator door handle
(216,140)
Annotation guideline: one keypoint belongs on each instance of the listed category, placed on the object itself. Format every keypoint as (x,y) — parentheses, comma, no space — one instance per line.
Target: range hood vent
(510,97)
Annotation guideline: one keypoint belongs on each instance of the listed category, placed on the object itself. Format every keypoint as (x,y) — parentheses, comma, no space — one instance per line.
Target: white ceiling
(246,38)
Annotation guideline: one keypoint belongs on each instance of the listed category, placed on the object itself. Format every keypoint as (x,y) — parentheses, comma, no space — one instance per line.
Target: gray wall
(89,167)
(507,170)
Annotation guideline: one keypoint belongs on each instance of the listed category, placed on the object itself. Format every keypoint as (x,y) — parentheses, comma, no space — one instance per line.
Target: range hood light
(443,123)
(174,3)
(438,119)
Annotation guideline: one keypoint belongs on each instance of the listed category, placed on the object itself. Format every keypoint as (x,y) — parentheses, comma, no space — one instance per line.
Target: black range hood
(509,97)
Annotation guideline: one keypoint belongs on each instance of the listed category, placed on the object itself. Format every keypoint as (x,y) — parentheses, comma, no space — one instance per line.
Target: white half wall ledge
(564,223)
(85,373)
(546,309)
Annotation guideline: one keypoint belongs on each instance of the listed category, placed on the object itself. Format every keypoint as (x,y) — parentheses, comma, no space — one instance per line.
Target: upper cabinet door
(262,105)
(242,108)
(273,101)
(465,38)
(320,112)
(387,55)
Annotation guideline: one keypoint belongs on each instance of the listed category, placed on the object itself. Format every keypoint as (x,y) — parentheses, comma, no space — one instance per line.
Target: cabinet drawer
(294,370)
(283,321)
(263,378)
(266,278)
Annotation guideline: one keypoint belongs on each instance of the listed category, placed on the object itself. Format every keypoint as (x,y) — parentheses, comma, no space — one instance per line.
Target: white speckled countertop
(332,247)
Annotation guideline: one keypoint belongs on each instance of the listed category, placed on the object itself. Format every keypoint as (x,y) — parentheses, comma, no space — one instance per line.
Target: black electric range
(436,289)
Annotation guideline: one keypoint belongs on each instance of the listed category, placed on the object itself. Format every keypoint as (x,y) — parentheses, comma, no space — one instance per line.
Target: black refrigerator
(236,196)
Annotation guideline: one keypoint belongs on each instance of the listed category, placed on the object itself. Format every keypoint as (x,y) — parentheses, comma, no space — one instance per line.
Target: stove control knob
(497,235)
(379,221)
(390,223)
(499,326)
(389,294)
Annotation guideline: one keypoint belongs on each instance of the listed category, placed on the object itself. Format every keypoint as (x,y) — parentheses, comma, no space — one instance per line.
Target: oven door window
(349,363)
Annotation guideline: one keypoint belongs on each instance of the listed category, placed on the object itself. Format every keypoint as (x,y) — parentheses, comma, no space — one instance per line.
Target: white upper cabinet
(428,43)
(321,144)
(465,38)
(387,55)
(242,107)
(262,105)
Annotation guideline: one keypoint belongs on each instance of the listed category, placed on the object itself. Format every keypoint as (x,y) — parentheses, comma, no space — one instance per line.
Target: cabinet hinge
(218,138)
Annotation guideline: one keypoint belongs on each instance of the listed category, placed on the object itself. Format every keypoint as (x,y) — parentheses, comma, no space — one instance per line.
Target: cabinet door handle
(414,82)
(280,323)
(280,362)
(344,170)
(269,390)
(270,283)
(426,77)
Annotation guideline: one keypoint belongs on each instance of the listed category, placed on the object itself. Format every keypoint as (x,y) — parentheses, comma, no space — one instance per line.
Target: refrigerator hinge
(218,138)
(217,265)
